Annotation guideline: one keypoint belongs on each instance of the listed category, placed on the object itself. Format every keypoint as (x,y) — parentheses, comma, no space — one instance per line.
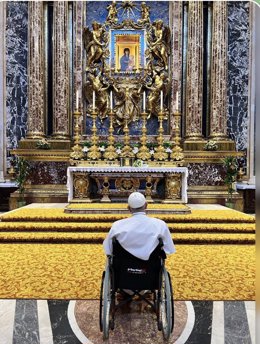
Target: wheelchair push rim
(105,303)
(166,315)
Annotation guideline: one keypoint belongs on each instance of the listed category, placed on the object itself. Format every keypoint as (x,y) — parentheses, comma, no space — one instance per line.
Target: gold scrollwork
(173,186)
(80,186)
(127,184)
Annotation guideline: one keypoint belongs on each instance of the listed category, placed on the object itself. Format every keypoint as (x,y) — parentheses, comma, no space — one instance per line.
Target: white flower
(118,151)
(168,150)
(135,150)
(85,149)
(152,152)
(102,148)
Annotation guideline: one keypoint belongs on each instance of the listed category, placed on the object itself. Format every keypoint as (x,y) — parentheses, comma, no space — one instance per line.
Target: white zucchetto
(136,200)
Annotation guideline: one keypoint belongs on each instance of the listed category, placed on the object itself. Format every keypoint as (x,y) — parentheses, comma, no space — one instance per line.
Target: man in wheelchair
(136,248)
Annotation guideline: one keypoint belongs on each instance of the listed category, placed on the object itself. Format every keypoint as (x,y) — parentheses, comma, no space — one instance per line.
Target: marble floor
(76,322)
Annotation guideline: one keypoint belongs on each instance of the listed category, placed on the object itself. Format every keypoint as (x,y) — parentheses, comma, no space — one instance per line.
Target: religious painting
(127,51)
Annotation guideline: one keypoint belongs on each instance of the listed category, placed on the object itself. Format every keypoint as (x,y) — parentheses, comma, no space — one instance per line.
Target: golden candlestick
(160,153)
(110,153)
(177,152)
(144,152)
(127,151)
(94,153)
(76,153)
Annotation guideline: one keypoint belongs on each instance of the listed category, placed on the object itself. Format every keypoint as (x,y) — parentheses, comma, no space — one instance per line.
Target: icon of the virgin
(126,61)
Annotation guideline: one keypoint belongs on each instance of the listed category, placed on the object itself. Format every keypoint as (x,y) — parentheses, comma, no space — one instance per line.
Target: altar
(115,183)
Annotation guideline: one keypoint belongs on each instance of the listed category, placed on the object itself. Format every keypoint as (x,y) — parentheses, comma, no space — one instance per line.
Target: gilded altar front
(106,184)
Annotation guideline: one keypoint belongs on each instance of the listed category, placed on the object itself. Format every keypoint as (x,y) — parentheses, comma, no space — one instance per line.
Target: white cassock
(139,235)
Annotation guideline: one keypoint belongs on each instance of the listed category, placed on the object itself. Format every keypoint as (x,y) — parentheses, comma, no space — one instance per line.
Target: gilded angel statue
(96,83)
(94,42)
(145,14)
(127,105)
(159,43)
(112,13)
(159,83)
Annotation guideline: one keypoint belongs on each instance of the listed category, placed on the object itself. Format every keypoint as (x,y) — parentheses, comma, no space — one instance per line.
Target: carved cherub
(145,13)
(112,13)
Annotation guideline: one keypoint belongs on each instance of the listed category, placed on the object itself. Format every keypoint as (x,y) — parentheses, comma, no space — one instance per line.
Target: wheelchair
(126,272)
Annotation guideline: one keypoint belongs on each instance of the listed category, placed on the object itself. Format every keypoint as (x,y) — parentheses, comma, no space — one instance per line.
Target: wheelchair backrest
(133,273)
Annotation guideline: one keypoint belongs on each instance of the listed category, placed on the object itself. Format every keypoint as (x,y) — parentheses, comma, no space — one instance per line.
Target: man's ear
(145,206)
(128,207)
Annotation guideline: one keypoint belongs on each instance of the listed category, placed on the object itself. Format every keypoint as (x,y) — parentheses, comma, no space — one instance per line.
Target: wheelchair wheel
(166,316)
(105,303)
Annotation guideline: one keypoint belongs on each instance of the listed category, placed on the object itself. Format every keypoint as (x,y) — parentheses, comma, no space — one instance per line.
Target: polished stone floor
(76,322)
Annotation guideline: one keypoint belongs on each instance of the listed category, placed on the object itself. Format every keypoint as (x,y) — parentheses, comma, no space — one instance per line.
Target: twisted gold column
(36,127)
(60,71)
(194,72)
(218,111)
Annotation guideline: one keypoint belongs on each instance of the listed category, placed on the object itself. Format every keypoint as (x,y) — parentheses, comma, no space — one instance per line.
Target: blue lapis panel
(97,10)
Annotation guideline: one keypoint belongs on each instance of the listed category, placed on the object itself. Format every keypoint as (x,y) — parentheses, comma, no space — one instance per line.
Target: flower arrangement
(118,146)
(135,147)
(43,144)
(168,147)
(231,169)
(211,146)
(22,170)
(86,146)
(102,146)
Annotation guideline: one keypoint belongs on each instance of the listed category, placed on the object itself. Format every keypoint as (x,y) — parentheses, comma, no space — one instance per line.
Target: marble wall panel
(238,71)
(205,174)
(48,172)
(16,71)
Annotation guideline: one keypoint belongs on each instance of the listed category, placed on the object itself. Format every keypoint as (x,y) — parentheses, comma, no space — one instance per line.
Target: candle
(144,101)
(111,100)
(77,99)
(161,100)
(177,101)
(94,100)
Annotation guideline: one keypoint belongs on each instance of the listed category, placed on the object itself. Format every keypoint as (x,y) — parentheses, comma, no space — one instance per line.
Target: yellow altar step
(98,237)
(121,208)
(105,226)
(58,215)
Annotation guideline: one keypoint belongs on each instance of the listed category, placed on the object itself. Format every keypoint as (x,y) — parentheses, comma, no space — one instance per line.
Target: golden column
(60,71)
(218,113)
(194,72)
(36,125)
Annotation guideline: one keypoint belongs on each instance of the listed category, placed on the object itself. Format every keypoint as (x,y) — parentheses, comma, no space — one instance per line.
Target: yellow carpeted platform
(73,271)
(57,214)
(45,225)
